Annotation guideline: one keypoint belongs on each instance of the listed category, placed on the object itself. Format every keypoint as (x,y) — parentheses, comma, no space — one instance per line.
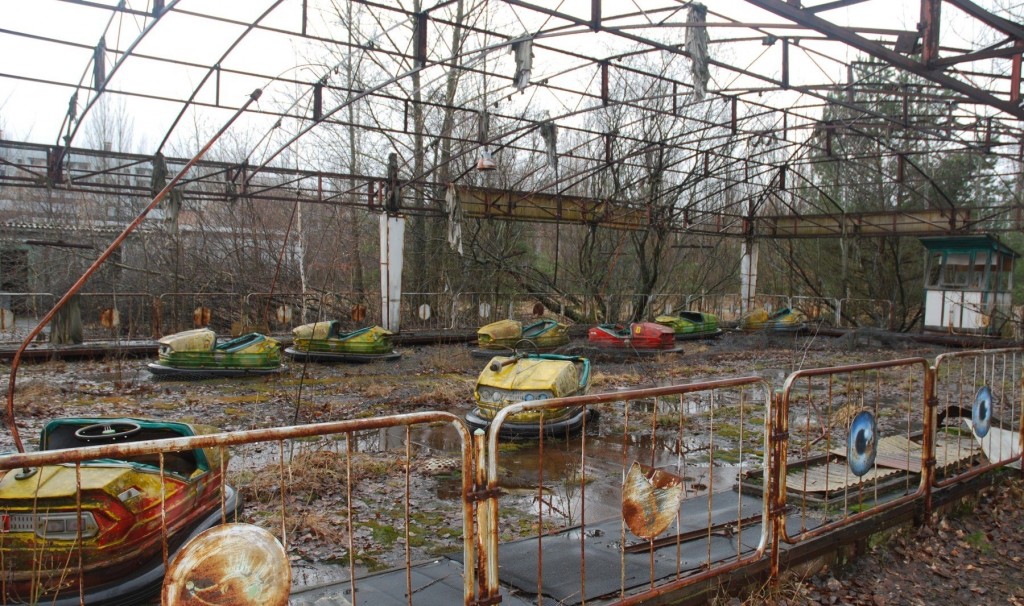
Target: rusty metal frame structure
(760,131)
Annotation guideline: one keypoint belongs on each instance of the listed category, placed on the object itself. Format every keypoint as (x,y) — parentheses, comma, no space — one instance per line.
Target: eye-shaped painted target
(981,412)
(861,445)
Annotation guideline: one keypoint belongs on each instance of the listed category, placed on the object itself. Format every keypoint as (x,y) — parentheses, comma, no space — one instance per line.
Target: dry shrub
(310,473)
(442,395)
(619,379)
(318,525)
(788,589)
(448,359)
(843,416)
(377,390)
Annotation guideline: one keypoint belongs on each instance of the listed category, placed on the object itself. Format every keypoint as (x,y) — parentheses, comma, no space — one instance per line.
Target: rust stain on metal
(229,565)
(201,316)
(110,318)
(650,500)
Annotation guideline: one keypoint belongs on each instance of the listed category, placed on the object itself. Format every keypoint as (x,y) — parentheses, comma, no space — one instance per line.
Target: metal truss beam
(808,19)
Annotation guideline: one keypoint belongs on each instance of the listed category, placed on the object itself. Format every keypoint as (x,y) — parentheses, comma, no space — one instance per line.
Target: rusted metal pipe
(233,438)
(77,286)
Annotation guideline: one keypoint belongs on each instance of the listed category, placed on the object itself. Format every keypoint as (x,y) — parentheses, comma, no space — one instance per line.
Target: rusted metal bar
(930,24)
(1017,355)
(875,49)
(693,534)
(481,508)
(708,568)
(233,438)
(928,439)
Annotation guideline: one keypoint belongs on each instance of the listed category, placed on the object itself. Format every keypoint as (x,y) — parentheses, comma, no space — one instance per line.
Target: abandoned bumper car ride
(531,377)
(691,324)
(327,342)
(98,531)
(196,353)
(504,335)
(783,320)
(637,338)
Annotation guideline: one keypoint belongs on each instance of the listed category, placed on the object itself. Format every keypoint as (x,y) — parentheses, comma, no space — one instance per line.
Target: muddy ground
(970,555)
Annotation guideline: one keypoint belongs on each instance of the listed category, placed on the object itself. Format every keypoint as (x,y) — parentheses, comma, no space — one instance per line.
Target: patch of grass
(384,535)
(979,541)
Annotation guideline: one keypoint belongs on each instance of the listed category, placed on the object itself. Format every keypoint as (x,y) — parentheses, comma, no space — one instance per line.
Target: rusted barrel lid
(230,564)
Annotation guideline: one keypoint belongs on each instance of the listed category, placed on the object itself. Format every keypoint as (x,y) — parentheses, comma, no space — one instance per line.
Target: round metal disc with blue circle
(981,412)
(861,445)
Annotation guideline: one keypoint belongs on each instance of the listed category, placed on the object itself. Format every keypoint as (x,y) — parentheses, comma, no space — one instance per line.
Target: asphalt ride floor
(607,569)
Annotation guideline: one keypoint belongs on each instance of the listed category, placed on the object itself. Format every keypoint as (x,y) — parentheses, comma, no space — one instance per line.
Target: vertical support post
(420,40)
(480,513)
(392,239)
(318,101)
(305,15)
(489,512)
(604,83)
(595,15)
(929,26)
(748,273)
(776,492)
(735,112)
(785,63)
(1015,69)
(928,439)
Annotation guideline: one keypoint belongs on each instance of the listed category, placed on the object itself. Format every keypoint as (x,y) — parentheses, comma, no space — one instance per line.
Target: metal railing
(979,412)
(740,473)
(274,458)
(851,443)
(688,442)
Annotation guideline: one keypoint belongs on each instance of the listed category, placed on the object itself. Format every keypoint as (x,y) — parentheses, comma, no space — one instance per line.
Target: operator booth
(968,284)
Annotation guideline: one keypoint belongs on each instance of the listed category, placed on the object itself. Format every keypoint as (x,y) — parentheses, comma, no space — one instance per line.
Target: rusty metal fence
(672,455)
(851,442)
(135,316)
(284,467)
(703,478)
(979,412)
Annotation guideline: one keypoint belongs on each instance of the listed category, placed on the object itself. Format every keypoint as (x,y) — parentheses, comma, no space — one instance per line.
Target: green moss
(384,535)
(979,541)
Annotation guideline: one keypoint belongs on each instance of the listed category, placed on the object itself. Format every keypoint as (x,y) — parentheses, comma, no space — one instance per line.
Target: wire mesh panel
(641,498)
(428,310)
(95,514)
(175,312)
(979,414)
(114,316)
(852,443)
(865,313)
(20,312)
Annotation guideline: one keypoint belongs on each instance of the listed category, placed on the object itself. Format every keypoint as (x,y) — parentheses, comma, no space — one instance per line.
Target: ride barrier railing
(979,412)
(670,454)
(852,441)
(865,313)
(20,312)
(361,471)
(175,312)
(116,316)
(667,487)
